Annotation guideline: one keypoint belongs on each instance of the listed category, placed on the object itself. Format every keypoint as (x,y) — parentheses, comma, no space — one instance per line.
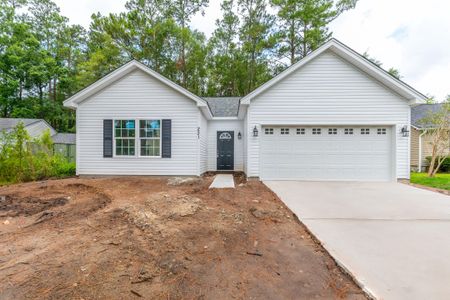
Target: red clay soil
(142,238)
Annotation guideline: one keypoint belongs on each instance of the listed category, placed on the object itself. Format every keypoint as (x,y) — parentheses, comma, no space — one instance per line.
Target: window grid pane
(150,147)
(150,138)
(149,128)
(124,131)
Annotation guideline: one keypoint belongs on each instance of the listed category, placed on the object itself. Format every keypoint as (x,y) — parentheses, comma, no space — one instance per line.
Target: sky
(409,35)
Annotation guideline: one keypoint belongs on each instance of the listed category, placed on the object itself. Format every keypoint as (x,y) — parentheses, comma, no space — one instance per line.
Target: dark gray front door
(225,150)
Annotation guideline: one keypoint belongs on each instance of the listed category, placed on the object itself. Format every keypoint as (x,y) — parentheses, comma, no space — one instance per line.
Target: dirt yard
(158,238)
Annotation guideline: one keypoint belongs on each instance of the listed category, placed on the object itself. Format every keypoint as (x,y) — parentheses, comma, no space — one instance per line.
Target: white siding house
(330,92)
(138,96)
(331,116)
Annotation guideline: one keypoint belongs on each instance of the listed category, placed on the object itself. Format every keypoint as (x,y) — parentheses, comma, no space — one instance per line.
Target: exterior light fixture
(405,131)
(239,135)
(255,131)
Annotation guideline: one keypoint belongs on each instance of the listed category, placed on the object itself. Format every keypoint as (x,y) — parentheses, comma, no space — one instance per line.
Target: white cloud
(406,35)
(80,11)
(409,35)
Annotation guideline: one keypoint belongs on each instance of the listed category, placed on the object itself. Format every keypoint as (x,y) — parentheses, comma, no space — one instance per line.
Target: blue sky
(410,35)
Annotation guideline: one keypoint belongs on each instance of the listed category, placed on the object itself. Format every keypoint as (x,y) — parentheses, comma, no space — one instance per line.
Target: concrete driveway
(393,238)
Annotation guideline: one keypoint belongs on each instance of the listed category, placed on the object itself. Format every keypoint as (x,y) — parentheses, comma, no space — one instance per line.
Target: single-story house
(34,127)
(420,135)
(64,143)
(333,115)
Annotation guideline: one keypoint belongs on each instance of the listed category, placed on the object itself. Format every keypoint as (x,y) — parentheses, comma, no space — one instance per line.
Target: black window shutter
(107,138)
(166,137)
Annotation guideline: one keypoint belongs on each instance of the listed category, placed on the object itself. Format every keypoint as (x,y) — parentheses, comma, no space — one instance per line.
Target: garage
(344,153)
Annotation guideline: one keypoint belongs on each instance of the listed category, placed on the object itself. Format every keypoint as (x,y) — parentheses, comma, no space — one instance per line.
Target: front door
(225,150)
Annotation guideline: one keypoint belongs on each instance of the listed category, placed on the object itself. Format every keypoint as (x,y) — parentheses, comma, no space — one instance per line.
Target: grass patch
(440,181)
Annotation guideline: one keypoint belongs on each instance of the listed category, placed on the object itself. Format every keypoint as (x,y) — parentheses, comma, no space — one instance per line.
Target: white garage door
(326,153)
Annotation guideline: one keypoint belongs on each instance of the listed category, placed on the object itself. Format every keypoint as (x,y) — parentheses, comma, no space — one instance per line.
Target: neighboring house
(334,115)
(420,138)
(34,127)
(64,143)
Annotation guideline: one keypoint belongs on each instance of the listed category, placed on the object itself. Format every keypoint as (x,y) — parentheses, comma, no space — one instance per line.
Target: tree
(257,40)
(226,72)
(392,71)
(303,24)
(439,133)
(182,11)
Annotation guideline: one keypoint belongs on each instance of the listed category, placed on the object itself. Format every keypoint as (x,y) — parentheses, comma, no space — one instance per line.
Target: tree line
(44,59)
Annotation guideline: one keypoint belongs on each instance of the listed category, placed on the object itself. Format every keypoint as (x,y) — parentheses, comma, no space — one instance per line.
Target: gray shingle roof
(9,123)
(223,106)
(421,111)
(64,138)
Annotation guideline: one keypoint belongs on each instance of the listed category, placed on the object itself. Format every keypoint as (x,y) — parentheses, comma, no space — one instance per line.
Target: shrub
(25,159)
(445,166)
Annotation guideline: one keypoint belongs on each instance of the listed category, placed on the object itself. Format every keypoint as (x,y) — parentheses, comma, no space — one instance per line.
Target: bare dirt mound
(13,205)
(45,201)
(137,237)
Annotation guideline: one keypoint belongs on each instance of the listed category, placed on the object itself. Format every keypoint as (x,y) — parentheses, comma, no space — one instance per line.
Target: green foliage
(445,166)
(44,59)
(440,181)
(25,159)
(303,25)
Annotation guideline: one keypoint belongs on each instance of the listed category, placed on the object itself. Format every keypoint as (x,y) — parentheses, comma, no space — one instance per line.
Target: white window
(381,131)
(301,131)
(284,130)
(348,131)
(268,130)
(332,130)
(124,137)
(316,131)
(365,131)
(150,138)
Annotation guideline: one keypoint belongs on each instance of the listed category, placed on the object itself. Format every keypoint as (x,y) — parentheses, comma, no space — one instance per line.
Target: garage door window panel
(268,131)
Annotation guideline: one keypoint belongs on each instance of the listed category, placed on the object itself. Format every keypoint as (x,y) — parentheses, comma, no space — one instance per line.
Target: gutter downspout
(420,149)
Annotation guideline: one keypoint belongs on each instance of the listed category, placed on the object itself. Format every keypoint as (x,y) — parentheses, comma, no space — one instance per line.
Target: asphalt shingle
(223,106)
(9,123)
(421,111)
(64,138)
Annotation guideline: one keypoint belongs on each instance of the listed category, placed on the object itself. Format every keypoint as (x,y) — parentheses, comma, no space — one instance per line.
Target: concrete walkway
(222,181)
(393,238)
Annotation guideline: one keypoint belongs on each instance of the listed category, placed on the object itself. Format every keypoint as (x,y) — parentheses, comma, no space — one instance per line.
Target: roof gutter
(420,149)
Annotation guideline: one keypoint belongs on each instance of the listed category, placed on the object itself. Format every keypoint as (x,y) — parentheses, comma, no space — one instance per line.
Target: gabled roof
(120,72)
(223,106)
(355,59)
(419,112)
(9,123)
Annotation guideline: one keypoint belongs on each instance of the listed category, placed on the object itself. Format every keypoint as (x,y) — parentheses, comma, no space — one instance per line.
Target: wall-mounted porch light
(405,131)
(239,135)
(255,131)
